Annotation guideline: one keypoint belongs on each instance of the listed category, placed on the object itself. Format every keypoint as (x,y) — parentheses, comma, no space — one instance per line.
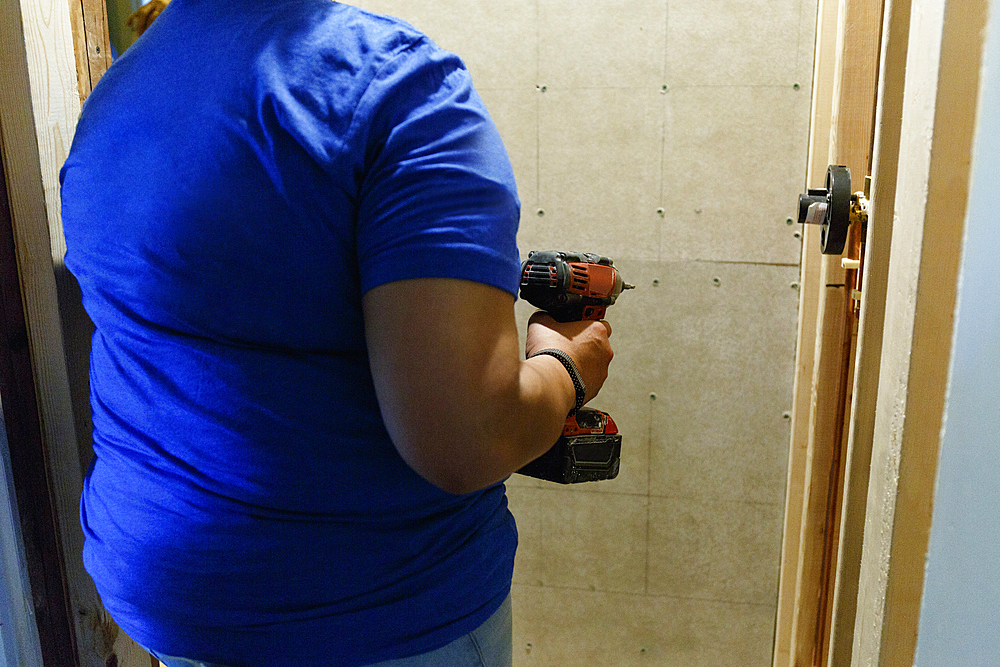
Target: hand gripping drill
(573,286)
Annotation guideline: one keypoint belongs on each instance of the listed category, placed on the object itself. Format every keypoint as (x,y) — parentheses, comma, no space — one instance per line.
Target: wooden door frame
(30,159)
(36,515)
(922,148)
(843,114)
(54,52)
(937,130)
(891,80)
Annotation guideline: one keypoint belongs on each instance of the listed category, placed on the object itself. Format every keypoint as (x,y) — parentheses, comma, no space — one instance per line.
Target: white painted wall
(960,614)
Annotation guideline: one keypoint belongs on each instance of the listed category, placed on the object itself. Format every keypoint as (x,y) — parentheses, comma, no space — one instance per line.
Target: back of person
(239,178)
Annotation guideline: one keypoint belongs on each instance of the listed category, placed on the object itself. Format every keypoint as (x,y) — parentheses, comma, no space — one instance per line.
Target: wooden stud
(938,123)
(38,55)
(877,251)
(810,281)
(856,86)
(825,427)
(850,114)
(79,30)
(46,632)
(91,41)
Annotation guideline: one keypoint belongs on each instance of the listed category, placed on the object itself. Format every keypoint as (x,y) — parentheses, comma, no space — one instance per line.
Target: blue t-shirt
(239,178)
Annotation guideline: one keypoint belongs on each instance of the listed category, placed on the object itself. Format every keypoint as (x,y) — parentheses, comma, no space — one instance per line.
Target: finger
(607,325)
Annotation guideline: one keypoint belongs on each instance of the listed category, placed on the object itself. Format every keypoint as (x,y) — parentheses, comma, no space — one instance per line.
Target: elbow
(464,468)
(456,482)
(460,486)
(460,480)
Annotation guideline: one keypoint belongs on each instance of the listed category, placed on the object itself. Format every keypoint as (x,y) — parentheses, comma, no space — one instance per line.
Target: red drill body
(570,286)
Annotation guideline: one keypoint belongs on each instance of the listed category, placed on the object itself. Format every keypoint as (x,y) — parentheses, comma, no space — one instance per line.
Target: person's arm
(462,406)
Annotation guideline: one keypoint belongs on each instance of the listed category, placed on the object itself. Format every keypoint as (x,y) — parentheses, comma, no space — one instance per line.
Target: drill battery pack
(588,450)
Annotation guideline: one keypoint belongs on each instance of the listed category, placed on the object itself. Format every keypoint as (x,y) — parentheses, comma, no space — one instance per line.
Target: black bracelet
(574,374)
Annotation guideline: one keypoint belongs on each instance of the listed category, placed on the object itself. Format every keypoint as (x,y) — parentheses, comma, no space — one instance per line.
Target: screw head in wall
(716,281)
(541,212)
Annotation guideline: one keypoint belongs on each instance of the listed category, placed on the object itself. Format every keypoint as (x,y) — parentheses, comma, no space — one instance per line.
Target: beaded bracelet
(574,374)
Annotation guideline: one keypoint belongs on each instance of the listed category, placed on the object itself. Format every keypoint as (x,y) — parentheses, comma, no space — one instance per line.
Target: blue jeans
(489,645)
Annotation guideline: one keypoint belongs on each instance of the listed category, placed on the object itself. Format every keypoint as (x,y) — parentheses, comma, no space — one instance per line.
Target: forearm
(517,426)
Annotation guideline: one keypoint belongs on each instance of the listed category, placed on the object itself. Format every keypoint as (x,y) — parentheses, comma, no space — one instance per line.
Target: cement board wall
(671,136)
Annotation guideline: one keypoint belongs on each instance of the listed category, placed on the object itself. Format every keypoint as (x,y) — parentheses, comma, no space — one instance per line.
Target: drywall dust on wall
(671,136)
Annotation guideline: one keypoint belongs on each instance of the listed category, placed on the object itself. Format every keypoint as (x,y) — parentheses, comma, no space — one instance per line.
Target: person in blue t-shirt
(293,224)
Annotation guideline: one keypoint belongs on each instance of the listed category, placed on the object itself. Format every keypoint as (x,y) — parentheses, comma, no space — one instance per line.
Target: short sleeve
(438,197)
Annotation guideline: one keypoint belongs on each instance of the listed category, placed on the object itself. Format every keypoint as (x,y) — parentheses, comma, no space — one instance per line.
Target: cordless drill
(573,286)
